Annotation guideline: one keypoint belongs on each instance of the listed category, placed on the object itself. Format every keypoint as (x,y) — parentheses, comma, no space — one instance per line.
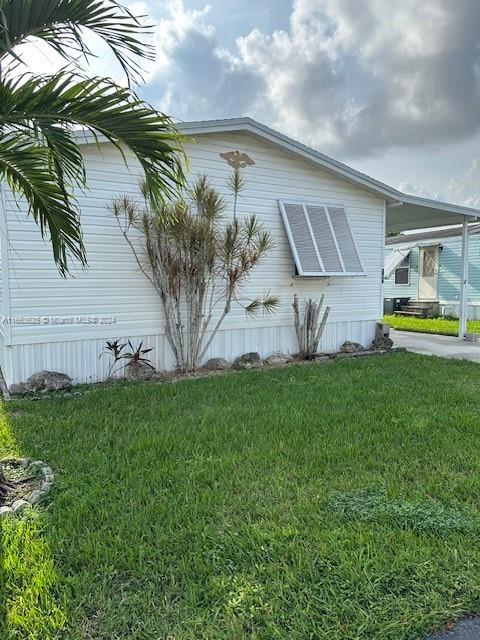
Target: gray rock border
(34,497)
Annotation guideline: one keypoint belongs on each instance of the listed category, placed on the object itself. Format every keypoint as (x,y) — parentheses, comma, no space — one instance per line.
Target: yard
(333,501)
(442,326)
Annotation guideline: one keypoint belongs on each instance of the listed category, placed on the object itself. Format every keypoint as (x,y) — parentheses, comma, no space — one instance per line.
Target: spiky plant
(197,261)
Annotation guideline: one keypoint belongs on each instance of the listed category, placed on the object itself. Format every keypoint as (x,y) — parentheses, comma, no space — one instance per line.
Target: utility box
(388,306)
(398,303)
(382,330)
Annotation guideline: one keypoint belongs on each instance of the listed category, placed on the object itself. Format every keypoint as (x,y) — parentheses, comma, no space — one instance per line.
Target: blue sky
(392,88)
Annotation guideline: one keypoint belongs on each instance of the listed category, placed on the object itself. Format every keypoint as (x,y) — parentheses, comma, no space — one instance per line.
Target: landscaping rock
(48,381)
(351,347)
(18,388)
(20,505)
(322,357)
(5,511)
(357,354)
(382,343)
(139,371)
(250,360)
(36,465)
(278,358)
(217,364)
(36,496)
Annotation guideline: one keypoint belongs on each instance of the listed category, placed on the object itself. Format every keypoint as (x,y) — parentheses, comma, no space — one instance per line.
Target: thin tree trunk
(321,329)
(4,388)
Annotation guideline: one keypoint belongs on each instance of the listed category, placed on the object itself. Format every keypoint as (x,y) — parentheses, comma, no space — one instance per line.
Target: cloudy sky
(391,88)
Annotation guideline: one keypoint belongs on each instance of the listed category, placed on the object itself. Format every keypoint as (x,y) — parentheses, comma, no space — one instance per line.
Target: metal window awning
(395,259)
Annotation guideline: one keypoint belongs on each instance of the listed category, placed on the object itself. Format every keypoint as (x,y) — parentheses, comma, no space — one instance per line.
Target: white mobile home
(335,249)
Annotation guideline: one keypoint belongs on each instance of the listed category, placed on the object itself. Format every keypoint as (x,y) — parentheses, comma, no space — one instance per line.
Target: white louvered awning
(394,259)
(321,240)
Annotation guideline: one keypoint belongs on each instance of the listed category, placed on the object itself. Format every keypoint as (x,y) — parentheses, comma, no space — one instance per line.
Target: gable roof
(319,159)
(271,136)
(439,234)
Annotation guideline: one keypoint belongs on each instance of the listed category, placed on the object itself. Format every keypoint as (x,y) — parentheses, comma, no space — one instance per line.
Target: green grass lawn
(333,501)
(446,327)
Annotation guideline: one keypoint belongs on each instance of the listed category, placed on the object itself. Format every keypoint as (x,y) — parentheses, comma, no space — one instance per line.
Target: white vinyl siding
(321,240)
(113,287)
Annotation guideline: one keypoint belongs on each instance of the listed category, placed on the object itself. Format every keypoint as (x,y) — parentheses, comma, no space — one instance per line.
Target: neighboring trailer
(445,246)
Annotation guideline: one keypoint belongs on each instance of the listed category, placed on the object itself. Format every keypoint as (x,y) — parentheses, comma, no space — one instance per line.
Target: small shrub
(115,349)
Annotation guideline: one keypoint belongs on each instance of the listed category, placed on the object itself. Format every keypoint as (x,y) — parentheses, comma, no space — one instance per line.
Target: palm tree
(39,154)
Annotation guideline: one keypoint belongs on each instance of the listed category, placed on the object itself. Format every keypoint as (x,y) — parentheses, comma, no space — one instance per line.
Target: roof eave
(245,124)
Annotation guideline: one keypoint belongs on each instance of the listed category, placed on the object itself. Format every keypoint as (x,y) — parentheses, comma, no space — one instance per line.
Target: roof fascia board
(447,207)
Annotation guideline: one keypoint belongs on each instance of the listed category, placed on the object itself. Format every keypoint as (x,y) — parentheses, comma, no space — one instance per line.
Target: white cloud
(195,77)
(415,190)
(461,190)
(351,82)
(466,189)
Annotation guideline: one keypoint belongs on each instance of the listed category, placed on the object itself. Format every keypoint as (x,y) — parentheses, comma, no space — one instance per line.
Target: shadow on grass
(30,606)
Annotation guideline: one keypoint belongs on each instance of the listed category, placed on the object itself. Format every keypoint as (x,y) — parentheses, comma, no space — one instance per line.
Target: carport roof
(455,231)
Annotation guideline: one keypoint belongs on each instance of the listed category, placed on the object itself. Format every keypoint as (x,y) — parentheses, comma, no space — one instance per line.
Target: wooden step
(419,313)
(418,304)
(415,308)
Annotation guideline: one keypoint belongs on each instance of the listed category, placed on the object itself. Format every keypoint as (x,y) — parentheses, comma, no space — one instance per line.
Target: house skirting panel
(80,358)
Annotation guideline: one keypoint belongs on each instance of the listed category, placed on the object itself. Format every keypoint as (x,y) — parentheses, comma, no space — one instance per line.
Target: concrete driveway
(466,629)
(434,345)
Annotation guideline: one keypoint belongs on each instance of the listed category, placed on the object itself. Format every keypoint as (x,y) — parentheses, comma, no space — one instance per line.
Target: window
(402,273)
(321,240)
(428,262)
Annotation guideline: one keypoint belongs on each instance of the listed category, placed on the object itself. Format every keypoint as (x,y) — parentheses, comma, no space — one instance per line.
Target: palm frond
(268,304)
(101,107)
(25,167)
(60,24)
(236,182)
